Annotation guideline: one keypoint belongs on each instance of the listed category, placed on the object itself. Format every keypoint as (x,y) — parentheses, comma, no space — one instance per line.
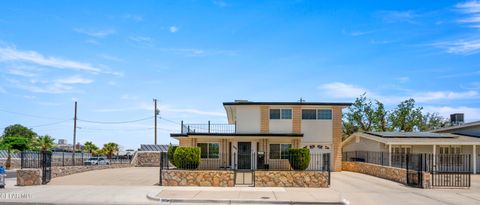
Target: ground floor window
(209,150)
(279,151)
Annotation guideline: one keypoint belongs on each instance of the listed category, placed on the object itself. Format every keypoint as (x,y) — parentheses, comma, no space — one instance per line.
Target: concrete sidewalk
(247,195)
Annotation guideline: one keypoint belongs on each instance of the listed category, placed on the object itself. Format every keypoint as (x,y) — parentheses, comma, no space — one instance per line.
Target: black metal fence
(447,170)
(253,161)
(32,159)
(208,128)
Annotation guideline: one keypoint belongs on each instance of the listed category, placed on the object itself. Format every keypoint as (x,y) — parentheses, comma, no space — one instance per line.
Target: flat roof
(239,134)
(464,125)
(287,103)
(410,135)
(412,140)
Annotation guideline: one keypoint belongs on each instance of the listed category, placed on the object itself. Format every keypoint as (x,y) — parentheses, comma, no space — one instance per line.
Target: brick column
(297,120)
(337,138)
(264,119)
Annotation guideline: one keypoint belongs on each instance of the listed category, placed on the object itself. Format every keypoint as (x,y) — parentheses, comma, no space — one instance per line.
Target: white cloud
(471,113)
(97,33)
(20,72)
(133,17)
(399,16)
(347,91)
(143,40)
(58,86)
(14,55)
(192,52)
(74,80)
(464,47)
(173,29)
(342,90)
(469,6)
(472,11)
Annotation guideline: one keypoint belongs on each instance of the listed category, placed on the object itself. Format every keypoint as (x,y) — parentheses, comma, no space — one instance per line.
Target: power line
(115,122)
(52,123)
(171,121)
(30,115)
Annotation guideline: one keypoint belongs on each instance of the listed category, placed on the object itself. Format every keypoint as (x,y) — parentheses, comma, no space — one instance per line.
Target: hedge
(187,157)
(171,151)
(299,158)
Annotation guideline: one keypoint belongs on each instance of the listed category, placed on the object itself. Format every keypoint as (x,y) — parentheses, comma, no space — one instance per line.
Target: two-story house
(260,133)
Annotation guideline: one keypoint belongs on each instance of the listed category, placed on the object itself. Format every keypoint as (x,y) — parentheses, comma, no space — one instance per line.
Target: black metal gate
(40,160)
(414,164)
(46,165)
(452,171)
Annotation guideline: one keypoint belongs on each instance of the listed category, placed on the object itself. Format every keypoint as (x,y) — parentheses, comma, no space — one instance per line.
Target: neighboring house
(263,131)
(402,143)
(468,129)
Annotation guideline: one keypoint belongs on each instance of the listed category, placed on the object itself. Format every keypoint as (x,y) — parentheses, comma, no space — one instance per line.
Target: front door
(244,155)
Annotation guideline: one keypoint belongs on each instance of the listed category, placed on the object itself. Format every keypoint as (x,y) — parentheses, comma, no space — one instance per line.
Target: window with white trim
(284,114)
(209,150)
(279,151)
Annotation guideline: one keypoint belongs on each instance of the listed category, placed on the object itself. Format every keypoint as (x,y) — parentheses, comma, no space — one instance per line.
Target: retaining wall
(291,179)
(198,178)
(146,159)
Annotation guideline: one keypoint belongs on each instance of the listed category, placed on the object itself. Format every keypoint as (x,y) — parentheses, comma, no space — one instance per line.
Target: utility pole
(74,132)
(155,113)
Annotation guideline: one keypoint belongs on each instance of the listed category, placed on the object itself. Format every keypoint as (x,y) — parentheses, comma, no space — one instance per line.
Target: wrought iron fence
(252,161)
(208,128)
(31,159)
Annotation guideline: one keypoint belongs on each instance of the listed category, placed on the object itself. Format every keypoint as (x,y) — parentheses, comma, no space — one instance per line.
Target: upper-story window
(276,114)
(309,114)
(324,114)
(314,114)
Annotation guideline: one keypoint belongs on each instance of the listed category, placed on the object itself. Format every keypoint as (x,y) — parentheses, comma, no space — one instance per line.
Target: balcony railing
(208,128)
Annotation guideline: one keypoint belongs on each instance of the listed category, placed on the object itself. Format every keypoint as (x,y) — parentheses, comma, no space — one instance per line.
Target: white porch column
(474,159)
(390,155)
(434,154)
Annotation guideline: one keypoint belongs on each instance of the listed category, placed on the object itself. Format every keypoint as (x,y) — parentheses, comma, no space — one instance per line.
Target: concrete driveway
(364,189)
(131,176)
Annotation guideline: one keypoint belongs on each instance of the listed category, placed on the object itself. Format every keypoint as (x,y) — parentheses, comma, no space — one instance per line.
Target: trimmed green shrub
(299,158)
(171,151)
(187,157)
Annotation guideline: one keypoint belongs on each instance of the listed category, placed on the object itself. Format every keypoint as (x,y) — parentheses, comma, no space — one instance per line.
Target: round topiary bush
(299,158)
(171,151)
(187,157)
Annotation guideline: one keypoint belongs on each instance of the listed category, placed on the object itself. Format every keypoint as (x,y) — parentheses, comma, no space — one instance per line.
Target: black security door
(244,155)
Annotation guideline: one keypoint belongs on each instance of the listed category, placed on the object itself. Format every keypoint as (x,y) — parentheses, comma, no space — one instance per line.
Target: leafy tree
(431,121)
(110,149)
(363,115)
(44,143)
(90,147)
(406,117)
(19,130)
(13,144)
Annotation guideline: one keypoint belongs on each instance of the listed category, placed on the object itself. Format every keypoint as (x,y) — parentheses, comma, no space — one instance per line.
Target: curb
(153,197)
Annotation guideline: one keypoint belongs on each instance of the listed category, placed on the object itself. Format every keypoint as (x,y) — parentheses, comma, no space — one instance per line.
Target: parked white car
(97,161)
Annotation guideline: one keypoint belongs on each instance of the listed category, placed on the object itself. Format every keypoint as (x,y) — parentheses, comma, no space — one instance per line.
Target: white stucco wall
(362,144)
(280,126)
(248,119)
(317,131)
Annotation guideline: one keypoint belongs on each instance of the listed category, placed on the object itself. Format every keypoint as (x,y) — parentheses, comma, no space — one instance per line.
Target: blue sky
(114,57)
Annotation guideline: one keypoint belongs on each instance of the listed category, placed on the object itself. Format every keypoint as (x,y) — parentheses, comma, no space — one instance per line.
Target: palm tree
(45,143)
(90,147)
(110,149)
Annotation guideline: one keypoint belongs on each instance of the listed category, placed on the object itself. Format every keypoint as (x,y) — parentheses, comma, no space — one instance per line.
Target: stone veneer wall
(198,178)
(146,159)
(29,177)
(390,173)
(291,179)
(68,170)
